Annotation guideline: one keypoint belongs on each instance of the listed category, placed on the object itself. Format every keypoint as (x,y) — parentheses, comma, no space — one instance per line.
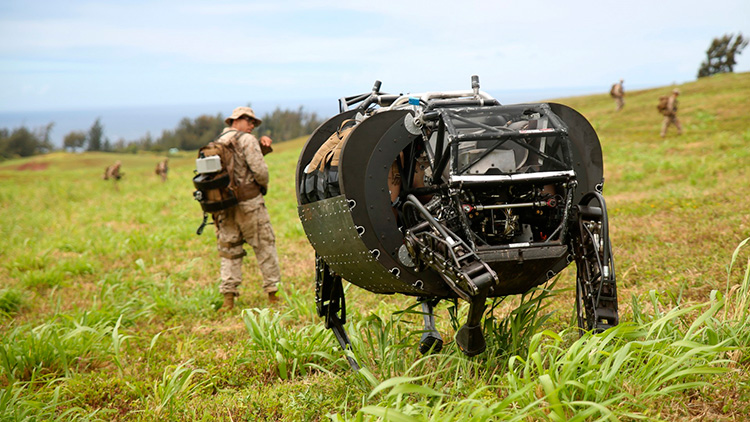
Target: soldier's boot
(228,304)
(272,297)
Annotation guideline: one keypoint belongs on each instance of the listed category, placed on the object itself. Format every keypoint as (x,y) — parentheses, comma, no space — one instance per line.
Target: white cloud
(331,48)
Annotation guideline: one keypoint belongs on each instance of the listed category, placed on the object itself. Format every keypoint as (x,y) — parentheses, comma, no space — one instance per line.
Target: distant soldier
(618,93)
(668,107)
(162,169)
(113,172)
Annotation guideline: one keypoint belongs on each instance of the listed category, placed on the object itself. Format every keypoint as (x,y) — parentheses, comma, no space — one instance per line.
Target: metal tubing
(427,96)
(439,143)
(386,100)
(411,199)
(563,227)
(605,220)
(444,157)
(461,103)
(431,339)
(506,206)
(547,176)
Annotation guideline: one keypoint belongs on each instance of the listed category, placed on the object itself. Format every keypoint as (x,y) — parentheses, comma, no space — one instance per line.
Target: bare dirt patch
(33,166)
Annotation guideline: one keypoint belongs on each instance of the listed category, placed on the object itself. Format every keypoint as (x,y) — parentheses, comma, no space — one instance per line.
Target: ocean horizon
(133,123)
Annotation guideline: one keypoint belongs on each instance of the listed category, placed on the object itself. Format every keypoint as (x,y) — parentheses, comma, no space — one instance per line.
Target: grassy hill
(107,297)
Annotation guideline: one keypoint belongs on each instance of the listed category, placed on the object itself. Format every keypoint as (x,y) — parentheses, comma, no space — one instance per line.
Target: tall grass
(175,383)
(293,352)
(50,350)
(11,300)
(737,314)
(62,347)
(628,372)
(19,403)
(620,373)
(510,335)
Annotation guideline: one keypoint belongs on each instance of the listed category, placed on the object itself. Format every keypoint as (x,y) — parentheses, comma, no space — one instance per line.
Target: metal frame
(428,259)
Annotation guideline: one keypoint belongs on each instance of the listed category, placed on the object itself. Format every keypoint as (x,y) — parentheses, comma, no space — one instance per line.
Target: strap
(243,191)
(233,256)
(202,182)
(224,133)
(346,124)
(203,224)
(217,206)
(333,143)
(232,244)
(233,149)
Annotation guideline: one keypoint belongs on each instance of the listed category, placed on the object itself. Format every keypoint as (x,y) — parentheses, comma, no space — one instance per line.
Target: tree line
(24,142)
(190,134)
(281,125)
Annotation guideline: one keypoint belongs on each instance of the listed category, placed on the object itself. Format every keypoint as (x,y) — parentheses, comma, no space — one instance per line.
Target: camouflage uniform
(113,171)
(670,115)
(162,169)
(248,222)
(618,93)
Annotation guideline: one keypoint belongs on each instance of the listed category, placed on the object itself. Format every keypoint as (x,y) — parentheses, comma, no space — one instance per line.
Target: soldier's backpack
(663,103)
(612,91)
(216,187)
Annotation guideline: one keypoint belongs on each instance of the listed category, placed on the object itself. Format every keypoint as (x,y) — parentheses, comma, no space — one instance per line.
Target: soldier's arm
(254,158)
(265,144)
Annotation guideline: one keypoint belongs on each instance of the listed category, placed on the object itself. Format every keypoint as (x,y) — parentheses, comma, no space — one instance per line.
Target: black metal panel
(587,151)
(521,254)
(365,160)
(520,269)
(333,235)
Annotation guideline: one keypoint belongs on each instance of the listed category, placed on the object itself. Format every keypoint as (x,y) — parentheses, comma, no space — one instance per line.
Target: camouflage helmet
(242,111)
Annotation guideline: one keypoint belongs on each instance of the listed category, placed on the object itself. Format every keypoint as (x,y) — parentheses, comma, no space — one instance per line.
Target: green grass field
(108,298)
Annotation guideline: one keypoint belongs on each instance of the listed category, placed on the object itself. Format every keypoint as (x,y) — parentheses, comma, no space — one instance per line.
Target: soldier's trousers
(670,119)
(248,222)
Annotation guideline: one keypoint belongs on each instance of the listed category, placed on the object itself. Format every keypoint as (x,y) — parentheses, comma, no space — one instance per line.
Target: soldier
(162,169)
(248,221)
(618,93)
(113,172)
(669,110)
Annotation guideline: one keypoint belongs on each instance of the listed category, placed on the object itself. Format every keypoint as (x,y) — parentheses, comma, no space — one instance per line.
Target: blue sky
(79,54)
